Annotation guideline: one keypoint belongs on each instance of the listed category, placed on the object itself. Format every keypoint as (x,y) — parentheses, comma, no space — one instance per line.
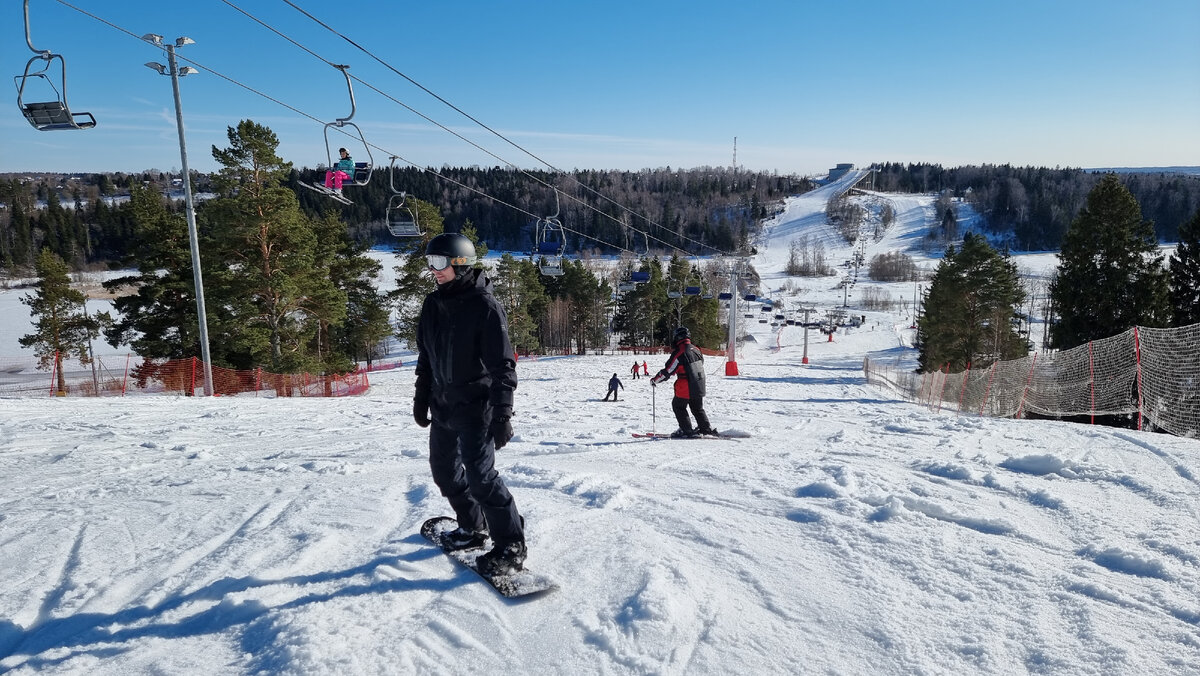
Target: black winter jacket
(464,355)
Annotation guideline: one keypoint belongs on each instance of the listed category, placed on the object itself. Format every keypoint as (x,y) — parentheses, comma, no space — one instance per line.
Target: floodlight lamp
(179,42)
(186,70)
(162,70)
(151,37)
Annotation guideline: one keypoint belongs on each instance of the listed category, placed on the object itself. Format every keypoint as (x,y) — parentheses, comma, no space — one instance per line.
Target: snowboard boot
(502,559)
(461,538)
(708,431)
(683,434)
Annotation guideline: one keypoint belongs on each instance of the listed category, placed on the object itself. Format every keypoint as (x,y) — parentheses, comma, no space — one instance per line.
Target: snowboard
(330,192)
(523,583)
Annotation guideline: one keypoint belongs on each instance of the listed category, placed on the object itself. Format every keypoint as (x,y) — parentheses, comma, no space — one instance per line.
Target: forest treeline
(1036,205)
(703,210)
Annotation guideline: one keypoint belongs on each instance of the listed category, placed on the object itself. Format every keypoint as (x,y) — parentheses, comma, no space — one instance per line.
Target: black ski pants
(680,406)
(462,457)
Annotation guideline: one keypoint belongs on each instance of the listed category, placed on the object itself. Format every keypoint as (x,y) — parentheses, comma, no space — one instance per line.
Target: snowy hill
(843,531)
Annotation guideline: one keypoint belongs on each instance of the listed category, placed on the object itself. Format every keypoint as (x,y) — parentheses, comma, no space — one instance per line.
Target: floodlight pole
(197,278)
(735,272)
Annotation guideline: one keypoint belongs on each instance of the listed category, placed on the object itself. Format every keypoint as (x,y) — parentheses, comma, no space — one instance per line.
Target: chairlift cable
(501,137)
(320,121)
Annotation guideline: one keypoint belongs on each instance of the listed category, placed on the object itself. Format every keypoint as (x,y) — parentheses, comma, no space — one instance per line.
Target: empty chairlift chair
(55,114)
(401,220)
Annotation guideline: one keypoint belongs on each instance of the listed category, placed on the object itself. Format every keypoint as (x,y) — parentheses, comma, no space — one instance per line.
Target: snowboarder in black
(687,363)
(466,375)
(613,384)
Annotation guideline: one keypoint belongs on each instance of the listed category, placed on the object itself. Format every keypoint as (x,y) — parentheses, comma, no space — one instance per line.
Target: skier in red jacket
(687,364)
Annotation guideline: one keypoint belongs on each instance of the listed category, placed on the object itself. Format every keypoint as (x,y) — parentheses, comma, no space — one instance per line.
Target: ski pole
(653,408)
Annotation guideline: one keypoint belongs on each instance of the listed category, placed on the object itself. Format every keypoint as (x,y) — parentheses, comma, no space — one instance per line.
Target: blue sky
(631,85)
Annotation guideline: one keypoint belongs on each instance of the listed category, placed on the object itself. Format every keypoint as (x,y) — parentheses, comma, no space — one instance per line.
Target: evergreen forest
(87,219)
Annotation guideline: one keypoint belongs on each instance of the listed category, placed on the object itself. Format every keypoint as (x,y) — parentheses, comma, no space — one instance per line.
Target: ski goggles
(439,263)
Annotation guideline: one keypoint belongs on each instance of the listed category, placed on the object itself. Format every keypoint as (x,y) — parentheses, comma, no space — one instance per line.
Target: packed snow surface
(841,530)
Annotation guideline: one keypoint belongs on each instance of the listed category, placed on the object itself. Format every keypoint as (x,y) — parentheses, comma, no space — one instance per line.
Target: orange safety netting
(130,374)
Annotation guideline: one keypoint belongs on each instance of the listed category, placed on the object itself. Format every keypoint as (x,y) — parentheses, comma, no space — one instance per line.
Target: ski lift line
(489,129)
(271,28)
(438,124)
(531,176)
(322,122)
(460,136)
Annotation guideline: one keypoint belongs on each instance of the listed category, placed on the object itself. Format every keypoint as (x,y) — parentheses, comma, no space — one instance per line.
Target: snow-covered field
(843,531)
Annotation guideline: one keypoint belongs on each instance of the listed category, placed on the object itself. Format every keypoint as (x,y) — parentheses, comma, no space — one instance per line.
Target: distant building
(839,171)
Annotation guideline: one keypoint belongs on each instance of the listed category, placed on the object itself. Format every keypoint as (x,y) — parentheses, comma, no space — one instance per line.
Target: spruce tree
(1111,275)
(158,320)
(62,328)
(973,297)
(413,281)
(1185,274)
(521,294)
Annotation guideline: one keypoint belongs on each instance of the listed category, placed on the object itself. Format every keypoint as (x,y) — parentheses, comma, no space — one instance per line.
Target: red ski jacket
(687,364)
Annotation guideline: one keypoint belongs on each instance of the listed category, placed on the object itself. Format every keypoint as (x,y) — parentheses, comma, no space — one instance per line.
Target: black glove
(421,411)
(500,430)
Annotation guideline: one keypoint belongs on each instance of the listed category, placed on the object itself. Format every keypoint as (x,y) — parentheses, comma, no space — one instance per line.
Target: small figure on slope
(613,384)
(636,370)
(687,364)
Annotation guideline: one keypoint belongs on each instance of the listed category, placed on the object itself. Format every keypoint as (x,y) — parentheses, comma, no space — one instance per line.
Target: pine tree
(62,327)
(1111,275)
(1185,274)
(973,297)
(271,269)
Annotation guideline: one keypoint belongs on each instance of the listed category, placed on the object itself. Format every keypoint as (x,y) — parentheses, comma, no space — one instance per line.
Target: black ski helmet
(681,333)
(457,247)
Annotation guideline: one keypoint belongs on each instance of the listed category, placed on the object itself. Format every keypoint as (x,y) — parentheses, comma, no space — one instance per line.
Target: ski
(659,435)
(328,192)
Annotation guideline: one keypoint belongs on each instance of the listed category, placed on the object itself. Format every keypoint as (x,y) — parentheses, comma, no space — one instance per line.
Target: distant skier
(687,363)
(645,369)
(636,370)
(613,384)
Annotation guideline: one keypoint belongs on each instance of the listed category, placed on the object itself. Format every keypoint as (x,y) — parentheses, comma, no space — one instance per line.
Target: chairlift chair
(640,277)
(550,247)
(52,115)
(691,291)
(550,243)
(362,170)
(401,220)
(725,295)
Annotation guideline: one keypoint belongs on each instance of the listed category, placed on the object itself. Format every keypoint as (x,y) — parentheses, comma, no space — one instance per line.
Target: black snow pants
(680,406)
(462,458)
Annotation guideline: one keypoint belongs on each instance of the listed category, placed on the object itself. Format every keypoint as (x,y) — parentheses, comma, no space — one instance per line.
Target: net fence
(119,375)
(1149,372)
